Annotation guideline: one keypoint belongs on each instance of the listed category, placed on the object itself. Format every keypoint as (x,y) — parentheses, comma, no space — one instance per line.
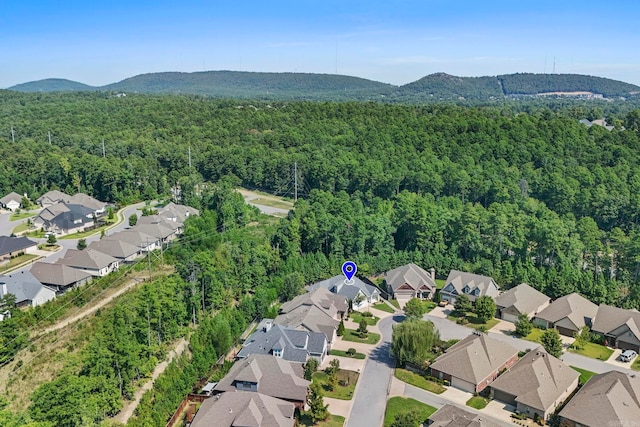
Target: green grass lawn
(478,402)
(594,351)
(13,262)
(21,215)
(383,307)
(395,303)
(356,316)
(352,336)
(333,421)
(636,364)
(342,353)
(418,381)
(474,322)
(20,228)
(534,335)
(344,392)
(263,201)
(440,283)
(584,374)
(402,405)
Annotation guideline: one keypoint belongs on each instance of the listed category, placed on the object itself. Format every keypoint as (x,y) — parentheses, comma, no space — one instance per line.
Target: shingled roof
(14,244)
(244,409)
(58,274)
(574,307)
(523,298)
(454,416)
(411,275)
(296,345)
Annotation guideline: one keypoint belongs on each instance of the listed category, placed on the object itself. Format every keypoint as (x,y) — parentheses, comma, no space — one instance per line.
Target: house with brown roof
(522,299)
(143,241)
(123,251)
(469,284)
(268,375)
(609,399)
(410,281)
(619,327)
(567,314)
(52,197)
(454,416)
(11,201)
(360,294)
(536,385)
(85,200)
(59,277)
(474,362)
(244,409)
(91,261)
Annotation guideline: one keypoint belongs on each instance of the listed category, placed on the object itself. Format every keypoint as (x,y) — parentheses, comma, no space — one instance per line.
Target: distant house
(143,241)
(87,201)
(123,251)
(91,261)
(52,197)
(597,122)
(163,233)
(59,277)
(410,281)
(177,213)
(609,399)
(11,201)
(619,327)
(12,246)
(567,314)
(469,284)
(359,293)
(65,218)
(268,375)
(523,299)
(536,385)
(244,409)
(454,416)
(26,288)
(288,344)
(474,362)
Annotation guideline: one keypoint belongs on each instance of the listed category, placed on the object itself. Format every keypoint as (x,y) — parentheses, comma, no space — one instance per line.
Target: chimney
(3,287)
(433,273)
(267,325)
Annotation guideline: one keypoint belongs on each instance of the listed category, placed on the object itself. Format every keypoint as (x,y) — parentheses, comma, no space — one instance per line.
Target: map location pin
(349,269)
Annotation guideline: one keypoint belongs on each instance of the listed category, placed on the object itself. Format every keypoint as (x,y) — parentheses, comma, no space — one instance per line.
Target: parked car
(628,355)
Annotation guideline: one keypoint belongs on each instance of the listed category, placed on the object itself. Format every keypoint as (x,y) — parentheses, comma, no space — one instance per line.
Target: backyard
(402,405)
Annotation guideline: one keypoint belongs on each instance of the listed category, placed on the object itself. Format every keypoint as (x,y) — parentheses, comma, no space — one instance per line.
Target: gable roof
(537,380)
(73,217)
(54,196)
(321,298)
(296,345)
(57,274)
(158,231)
(115,248)
(25,286)
(51,211)
(454,416)
(574,306)
(176,212)
(410,274)
(157,219)
(88,258)
(87,201)
(523,298)
(11,197)
(609,318)
(275,377)
(133,237)
(349,289)
(309,318)
(474,358)
(14,244)
(606,399)
(244,409)
(460,279)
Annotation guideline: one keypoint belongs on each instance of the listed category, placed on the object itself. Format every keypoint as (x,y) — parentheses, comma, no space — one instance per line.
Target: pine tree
(523,325)
(317,409)
(551,342)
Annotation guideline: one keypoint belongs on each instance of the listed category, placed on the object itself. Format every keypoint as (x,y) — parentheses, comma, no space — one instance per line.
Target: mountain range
(309,86)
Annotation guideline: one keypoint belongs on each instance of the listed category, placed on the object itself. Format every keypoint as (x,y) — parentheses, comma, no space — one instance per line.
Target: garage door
(462,385)
(565,331)
(628,346)
(509,317)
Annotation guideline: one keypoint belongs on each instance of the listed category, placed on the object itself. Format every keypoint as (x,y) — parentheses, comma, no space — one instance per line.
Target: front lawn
(357,316)
(636,364)
(382,306)
(474,322)
(440,283)
(478,402)
(419,381)
(395,303)
(346,384)
(352,335)
(20,228)
(342,353)
(333,421)
(429,305)
(403,405)
(594,351)
(21,215)
(16,261)
(584,374)
(534,335)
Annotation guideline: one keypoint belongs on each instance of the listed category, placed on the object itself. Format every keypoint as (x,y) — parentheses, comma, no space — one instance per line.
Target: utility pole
(104,154)
(203,307)
(13,136)
(149,259)
(295,182)
(49,134)
(189,157)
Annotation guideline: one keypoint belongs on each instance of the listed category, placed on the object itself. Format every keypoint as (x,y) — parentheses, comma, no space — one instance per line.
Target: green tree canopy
(414,309)
(413,340)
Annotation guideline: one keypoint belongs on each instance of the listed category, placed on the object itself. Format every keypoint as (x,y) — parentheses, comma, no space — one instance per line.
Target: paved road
(6,226)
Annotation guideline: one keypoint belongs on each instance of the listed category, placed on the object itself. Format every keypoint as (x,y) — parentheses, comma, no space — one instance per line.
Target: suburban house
(268,375)
(12,246)
(91,261)
(59,277)
(177,213)
(619,327)
(523,299)
(410,281)
(244,409)
(454,416)
(609,399)
(143,241)
(474,362)
(11,201)
(597,122)
(568,314)
(28,291)
(65,218)
(469,284)
(52,197)
(315,311)
(123,251)
(287,344)
(536,385)
(355,290)
(85,200)
(156,219)
(161,232)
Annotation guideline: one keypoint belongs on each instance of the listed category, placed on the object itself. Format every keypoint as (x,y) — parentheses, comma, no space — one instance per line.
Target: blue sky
(389,41)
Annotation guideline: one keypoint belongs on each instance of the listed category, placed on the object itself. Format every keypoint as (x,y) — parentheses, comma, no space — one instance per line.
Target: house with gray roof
(58,276)
(143,241)
(608,399)
(161,232)
(522,299)
(567,314)
(52,197)
(536,385)
(268,375)
(474,362)
(469,284)
(87,201)
(123,251)
(11,201)
(410,281)
(244,409)
(355,290)
(454,416)
(13,246)
(91,261)
(26,288)
(285,343)
(65,218)
(619,327)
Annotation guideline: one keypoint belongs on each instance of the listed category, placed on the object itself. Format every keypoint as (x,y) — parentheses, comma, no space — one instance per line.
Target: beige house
(567,314)
(91,261)
(619,327)
(536,385)
(523,299)
(52,197)
(11,201)
(455,416)
(410,281)
(469,284)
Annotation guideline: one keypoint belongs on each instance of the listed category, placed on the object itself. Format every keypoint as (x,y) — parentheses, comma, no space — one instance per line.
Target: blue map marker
(349,269)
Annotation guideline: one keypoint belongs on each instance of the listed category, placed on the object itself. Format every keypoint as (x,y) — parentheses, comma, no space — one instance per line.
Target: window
(277,353)
(466,289)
